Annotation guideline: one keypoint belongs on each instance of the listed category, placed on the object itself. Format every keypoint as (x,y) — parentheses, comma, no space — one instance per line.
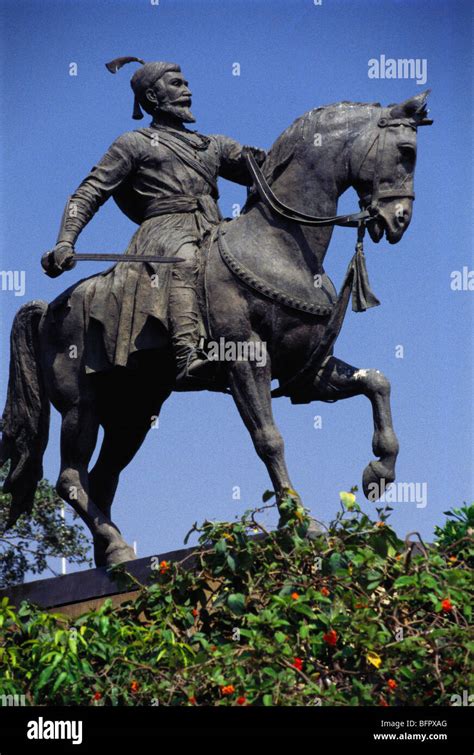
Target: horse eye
(408,156)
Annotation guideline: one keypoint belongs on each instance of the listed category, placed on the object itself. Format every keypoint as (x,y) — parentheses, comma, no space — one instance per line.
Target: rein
(268,196)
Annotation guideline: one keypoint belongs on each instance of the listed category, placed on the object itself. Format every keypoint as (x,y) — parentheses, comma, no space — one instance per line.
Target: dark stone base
(76,593)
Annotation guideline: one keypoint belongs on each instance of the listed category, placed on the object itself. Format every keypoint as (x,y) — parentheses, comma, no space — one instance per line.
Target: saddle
(288,280)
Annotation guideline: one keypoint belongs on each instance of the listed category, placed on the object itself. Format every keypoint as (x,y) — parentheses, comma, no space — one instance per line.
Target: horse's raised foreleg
(78,438)
(337,380)
(251,387)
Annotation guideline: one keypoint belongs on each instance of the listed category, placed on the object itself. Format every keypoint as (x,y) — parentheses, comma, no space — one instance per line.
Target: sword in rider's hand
(47,260)
(86,257)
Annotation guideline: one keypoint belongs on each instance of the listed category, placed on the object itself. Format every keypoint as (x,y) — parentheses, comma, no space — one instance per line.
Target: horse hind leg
(337,380)
(78,438)
(119,446)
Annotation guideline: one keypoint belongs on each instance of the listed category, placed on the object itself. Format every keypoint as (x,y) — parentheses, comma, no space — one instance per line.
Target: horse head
(382,165)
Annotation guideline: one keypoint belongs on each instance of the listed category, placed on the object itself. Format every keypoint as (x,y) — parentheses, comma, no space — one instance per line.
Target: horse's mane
(283,148)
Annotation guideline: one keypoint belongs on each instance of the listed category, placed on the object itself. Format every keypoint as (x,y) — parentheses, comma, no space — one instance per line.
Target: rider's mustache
(180,100)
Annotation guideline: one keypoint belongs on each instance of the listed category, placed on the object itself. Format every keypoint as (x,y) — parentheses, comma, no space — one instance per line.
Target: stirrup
(199,374)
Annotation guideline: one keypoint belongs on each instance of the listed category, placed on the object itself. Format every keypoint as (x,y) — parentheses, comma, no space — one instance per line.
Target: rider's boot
(194,371)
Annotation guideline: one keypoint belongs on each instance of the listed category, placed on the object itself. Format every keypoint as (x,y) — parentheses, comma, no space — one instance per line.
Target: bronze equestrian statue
(163,177)
(110,349)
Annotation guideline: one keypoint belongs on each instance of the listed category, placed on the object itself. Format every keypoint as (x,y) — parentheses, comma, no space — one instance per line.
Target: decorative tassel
(137,114)
(362,296)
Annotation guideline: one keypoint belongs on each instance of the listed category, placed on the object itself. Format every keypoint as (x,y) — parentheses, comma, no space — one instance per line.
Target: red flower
(446,605)
(330,638)
(391,684)
(134,687)
(164,566)
(298,664)
(195,612)
(295,595)
(97,696)
(192,700)
(324,591)
(241,700)
(228,689)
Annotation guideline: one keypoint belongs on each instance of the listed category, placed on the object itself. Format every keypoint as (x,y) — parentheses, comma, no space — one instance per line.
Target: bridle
(369,204)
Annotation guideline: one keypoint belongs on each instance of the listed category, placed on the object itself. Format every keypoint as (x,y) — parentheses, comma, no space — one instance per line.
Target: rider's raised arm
(103,180)
(232,161)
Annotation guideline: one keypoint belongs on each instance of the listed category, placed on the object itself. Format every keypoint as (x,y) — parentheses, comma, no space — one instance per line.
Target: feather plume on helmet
(144,78)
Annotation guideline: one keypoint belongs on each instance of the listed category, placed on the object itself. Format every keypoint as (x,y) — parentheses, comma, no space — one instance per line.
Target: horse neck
(313,181)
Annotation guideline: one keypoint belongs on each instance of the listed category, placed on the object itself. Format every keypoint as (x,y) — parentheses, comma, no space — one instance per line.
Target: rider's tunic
(164,180)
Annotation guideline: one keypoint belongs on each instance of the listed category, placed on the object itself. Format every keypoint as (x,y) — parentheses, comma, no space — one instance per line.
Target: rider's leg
(185,319)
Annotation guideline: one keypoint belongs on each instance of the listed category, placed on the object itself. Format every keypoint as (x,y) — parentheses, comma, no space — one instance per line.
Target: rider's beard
(181,112)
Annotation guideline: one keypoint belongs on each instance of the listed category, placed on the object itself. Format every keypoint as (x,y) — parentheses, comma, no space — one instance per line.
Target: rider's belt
(179,203)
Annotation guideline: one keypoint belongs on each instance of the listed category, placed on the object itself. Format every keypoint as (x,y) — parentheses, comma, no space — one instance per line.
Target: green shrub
(353,616)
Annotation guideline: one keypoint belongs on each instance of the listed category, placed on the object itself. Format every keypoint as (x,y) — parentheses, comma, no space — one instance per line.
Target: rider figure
(163,177)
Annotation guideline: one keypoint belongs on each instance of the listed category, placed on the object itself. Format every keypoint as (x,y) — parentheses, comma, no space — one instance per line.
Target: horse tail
(25,421)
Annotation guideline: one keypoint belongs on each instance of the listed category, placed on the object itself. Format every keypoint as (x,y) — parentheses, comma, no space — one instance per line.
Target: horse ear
(414,107)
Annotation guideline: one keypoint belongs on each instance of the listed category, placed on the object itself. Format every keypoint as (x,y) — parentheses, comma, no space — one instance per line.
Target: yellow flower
(348,499)
(374,659)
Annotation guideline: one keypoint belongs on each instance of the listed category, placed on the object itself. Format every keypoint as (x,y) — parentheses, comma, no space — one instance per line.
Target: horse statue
(264,285)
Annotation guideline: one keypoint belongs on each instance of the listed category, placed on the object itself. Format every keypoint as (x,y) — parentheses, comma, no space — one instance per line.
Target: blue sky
(293,56)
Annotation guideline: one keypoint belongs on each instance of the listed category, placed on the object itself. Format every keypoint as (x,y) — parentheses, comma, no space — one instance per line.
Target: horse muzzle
(391,219)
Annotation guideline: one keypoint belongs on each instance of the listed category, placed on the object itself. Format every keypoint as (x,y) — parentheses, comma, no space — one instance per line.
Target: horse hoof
(375,480)
(119,554)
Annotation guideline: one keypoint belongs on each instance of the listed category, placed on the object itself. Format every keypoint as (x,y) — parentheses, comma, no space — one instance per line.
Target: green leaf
(304,609)
(269,671)
(221,546)
(236,603)
(62,676)
(337,563)
(373,585)
(44,676)
(404,581)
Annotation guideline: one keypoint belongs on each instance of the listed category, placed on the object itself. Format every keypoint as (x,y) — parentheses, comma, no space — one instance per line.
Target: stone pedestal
(76,593)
